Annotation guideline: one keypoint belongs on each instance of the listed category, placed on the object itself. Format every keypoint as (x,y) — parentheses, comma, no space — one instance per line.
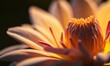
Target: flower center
(88,31)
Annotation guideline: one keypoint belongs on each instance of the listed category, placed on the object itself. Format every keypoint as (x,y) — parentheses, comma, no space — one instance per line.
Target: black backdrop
(15,13)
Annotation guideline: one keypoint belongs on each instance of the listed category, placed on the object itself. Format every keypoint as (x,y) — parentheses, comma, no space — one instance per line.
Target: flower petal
(29,37)
(62,63)
(19,55)
(108,28)
(38,61)
(62,10)
(13,64)
(104,16)
(107,64)
(57,50)
(42,21)
(107,47)
(12,48)
(107,38)
(74,54)
(28,53)
(97,1)
(83,8)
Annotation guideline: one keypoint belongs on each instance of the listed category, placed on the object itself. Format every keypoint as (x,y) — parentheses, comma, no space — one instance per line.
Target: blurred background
(15,13)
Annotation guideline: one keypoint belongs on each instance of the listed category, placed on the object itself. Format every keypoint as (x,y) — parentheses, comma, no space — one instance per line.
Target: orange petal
(107,47)
(42,21)
(28,53)
(25,37)
(38,61)
(62,10)
(83,8)
(104,16)
(107,64)
(108,28)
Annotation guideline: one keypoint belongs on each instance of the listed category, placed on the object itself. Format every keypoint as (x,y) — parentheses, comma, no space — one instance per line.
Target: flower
(53,43)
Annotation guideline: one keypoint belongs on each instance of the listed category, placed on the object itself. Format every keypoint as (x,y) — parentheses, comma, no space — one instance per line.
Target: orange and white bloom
(62,40)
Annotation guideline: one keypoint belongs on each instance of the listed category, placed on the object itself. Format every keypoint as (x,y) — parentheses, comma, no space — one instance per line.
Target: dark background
(15,13)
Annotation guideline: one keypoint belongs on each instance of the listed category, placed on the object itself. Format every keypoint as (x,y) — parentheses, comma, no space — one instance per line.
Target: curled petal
(12,48)
(62,10)
(29,37)
(83,8)
(38,61)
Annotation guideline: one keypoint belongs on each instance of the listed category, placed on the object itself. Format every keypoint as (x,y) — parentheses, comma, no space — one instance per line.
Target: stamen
(61,38)
(88,31)
(103,43)
(61,41)
(43,43)
(82,21)
(75,45)
(85,52)
(53,36)
(63,44)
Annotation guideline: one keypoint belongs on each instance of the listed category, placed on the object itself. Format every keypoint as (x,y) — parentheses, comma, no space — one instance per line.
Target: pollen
(88,31)
(82,21)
